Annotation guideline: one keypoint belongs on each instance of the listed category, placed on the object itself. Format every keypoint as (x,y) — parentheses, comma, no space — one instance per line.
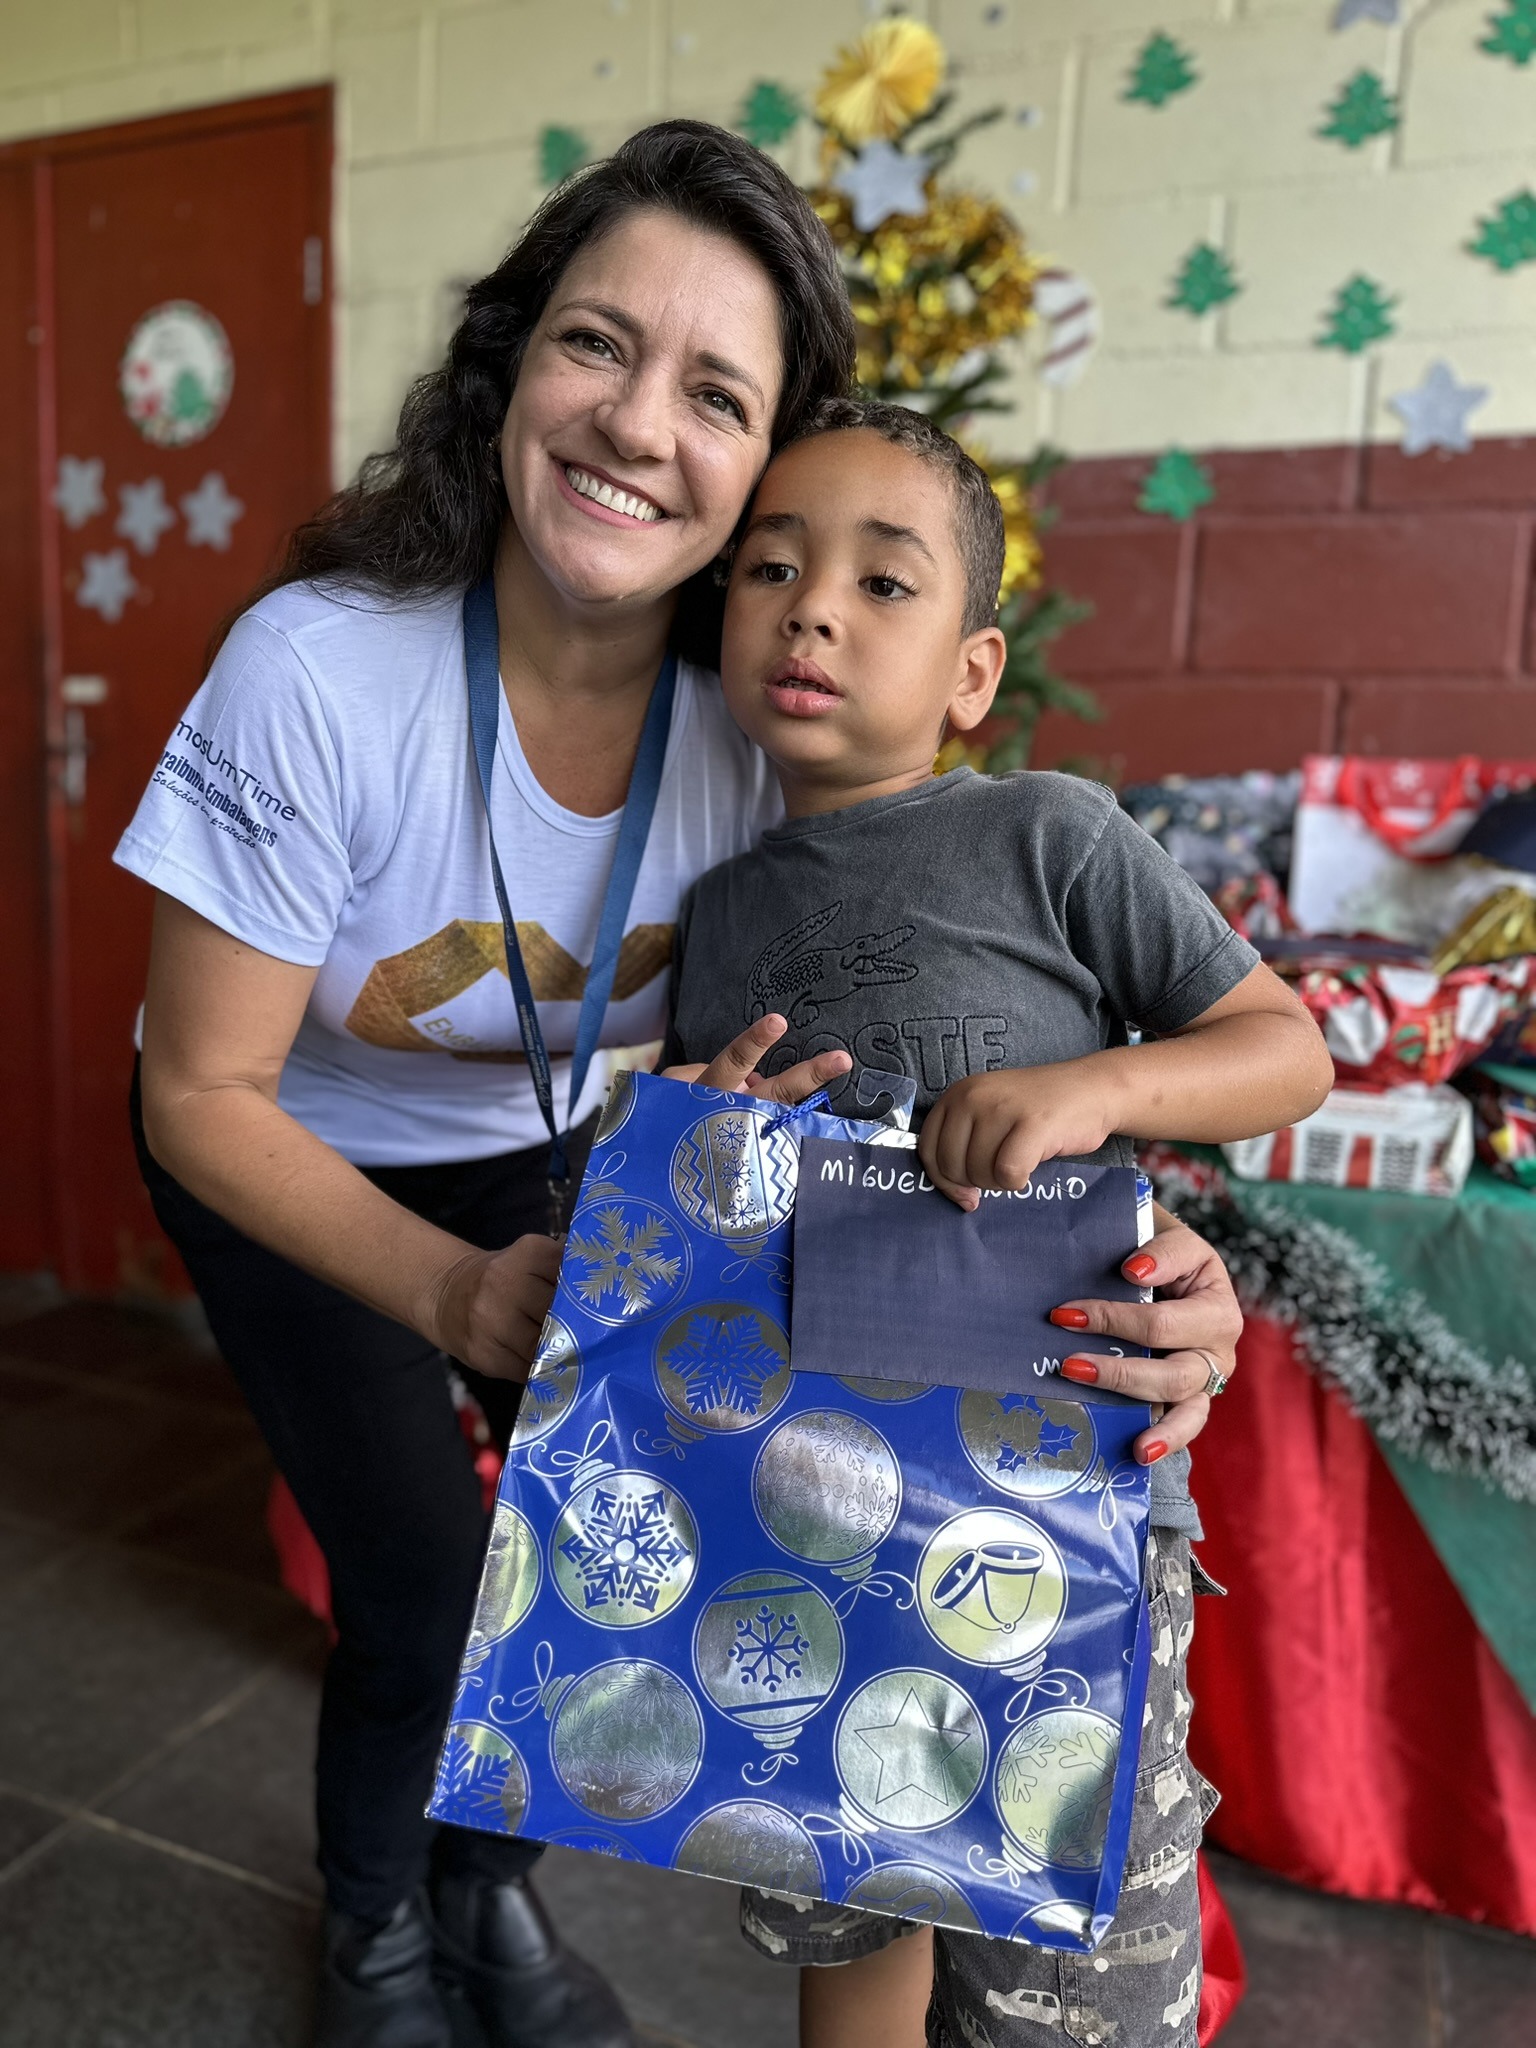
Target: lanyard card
(893,1281)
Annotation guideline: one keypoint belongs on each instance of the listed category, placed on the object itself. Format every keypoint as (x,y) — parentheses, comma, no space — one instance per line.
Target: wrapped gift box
(863,1639)
(1414,1140)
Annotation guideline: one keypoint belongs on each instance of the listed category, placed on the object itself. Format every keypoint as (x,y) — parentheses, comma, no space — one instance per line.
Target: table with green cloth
(1364,1695)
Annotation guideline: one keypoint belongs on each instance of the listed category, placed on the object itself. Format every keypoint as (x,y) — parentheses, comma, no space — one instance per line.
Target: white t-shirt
(319,800)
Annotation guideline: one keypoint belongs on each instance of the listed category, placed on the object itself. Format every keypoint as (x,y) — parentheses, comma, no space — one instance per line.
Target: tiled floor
(157,1703)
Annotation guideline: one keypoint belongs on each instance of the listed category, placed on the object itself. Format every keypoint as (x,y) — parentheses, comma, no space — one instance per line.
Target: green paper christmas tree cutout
(1364,108)
(561,151)
(768,113)
(189,401)
(1176,486)
(1205,279)
(1161,70)
(1512,34)
(1360,314)
(1508,237)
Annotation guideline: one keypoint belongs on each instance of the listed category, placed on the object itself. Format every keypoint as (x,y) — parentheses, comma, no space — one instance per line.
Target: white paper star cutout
(106,584)
(210,511)
(78,493)
(1389,11)
(881,181)
(1435,413)
(913,1754)
(145,514)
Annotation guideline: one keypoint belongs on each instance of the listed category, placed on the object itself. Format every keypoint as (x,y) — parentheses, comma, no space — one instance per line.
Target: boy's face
(843,652)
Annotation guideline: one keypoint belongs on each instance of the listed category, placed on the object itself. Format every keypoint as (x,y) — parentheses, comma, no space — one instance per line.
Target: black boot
(376,1984)
(498,1952)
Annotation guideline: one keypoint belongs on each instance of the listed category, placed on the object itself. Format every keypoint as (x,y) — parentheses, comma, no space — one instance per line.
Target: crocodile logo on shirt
(800,978)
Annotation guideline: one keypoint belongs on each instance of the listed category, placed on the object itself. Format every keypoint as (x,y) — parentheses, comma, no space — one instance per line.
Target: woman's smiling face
(643,410)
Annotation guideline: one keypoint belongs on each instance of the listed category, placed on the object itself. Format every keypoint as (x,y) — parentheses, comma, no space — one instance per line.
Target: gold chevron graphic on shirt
(432,972)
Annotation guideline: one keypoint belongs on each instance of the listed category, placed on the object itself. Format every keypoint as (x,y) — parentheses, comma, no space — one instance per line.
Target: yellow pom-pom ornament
(879,85)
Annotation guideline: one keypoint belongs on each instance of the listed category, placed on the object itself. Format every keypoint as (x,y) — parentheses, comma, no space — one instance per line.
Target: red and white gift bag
(1387,1026)
(1360,816)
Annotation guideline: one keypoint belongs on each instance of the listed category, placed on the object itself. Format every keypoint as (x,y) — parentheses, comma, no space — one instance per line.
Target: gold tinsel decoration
(928,292)
(1021,545)
(936,296)
(880,85)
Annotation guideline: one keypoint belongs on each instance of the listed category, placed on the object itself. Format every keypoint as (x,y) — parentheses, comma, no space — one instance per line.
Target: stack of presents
(1398,898)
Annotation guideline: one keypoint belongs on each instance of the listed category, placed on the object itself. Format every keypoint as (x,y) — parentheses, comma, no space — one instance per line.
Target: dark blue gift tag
(893,1282)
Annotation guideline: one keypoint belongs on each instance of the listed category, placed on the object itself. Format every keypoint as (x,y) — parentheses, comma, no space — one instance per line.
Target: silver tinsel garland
(1402,1368)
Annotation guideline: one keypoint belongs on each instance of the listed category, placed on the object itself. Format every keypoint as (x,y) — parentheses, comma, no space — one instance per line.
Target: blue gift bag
(863,1639)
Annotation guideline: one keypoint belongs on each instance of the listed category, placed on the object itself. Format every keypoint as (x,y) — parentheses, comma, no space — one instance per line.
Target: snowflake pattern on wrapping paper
(477,1781)
(625,1550)
(723,1362)
(768,1648)
(864,1497)
(625,1261)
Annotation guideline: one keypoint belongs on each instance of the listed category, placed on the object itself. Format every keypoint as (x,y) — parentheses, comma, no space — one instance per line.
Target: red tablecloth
(1364,1737)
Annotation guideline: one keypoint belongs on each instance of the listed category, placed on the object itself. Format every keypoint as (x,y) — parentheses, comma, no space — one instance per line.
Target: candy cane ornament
(1069,307)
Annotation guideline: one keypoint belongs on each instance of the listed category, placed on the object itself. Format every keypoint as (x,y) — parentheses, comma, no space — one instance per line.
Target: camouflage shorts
(1142,1984)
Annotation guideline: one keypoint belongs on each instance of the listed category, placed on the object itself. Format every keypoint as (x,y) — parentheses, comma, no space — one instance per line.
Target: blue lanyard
(482,664)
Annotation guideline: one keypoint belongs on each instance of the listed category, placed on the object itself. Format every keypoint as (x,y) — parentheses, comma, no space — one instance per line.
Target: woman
(344,1128)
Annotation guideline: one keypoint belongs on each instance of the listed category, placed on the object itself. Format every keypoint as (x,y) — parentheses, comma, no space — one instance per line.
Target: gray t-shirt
(967,924)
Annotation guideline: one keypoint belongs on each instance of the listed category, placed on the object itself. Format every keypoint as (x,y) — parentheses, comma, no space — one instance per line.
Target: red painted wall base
(1328,599)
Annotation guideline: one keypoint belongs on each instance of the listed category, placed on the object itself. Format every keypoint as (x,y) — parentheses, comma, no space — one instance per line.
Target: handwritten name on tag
(893,1282)
(852,1166)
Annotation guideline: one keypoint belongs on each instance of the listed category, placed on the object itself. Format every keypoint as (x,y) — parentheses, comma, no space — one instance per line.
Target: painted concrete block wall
(440,101)
(1335,594)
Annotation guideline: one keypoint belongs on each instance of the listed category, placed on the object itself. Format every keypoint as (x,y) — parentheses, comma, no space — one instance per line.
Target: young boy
(990,940)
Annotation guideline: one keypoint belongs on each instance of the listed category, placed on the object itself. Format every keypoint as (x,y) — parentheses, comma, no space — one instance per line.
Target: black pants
(358,1415)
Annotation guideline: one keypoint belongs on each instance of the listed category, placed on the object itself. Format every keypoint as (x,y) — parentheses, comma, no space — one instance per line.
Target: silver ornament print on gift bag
(876,1636)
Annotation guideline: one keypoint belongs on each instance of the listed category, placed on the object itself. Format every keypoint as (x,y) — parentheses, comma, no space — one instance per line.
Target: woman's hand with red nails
(1195,1324)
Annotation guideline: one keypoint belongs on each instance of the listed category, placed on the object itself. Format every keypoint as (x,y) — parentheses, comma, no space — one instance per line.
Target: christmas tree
(561,151)
(768,114)
(1161,70)
(1205,279)
(1363,108)
(1176,486)
(1360,314)
(1512,34)
(1508,237)
(941,284)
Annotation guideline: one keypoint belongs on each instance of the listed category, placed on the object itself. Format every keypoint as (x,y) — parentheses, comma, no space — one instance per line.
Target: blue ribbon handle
(482,666)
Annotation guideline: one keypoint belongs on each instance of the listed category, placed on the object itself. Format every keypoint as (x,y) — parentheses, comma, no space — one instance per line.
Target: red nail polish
(1081,1369)
(1141,1267)
(1154,1450)
(1070,1318)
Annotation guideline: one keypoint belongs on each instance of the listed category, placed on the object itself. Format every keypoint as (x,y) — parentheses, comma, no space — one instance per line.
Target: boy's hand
(735,1069)
(993,1130)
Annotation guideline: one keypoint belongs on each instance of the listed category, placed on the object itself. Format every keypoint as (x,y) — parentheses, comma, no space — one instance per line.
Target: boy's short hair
(978,515)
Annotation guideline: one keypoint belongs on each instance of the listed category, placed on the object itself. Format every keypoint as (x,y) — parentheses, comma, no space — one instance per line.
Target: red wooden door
(183,408)
(25,1235)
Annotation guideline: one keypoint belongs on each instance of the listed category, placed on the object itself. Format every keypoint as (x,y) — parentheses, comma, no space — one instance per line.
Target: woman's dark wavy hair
(424,516)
